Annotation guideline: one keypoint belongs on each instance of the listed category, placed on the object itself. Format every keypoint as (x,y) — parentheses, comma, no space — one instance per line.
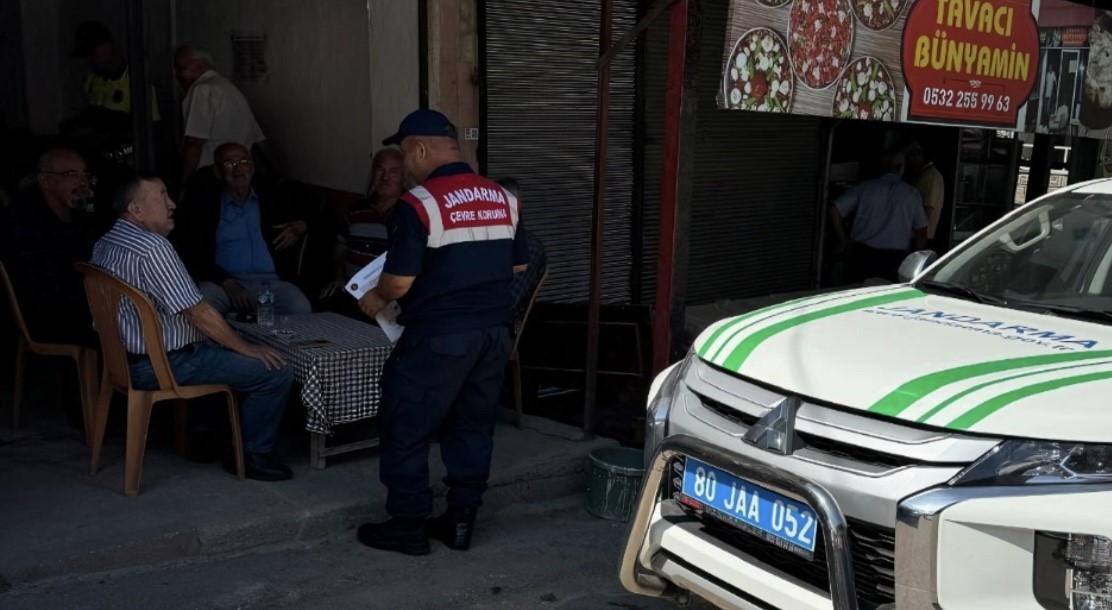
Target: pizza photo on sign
(866,91)
(878,14)
(759,75)
(820,37)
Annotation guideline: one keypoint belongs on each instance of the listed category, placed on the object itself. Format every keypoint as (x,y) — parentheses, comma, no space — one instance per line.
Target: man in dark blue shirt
(455,241)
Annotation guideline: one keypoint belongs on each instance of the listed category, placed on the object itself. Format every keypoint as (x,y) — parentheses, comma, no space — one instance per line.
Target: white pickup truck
(941,443)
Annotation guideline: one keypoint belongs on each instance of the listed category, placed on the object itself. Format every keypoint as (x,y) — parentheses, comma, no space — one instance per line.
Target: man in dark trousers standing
(455,240)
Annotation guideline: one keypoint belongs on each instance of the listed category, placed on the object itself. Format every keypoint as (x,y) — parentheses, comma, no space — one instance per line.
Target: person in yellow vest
(108,86)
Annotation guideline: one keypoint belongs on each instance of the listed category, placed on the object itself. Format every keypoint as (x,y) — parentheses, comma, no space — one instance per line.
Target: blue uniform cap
(423,122)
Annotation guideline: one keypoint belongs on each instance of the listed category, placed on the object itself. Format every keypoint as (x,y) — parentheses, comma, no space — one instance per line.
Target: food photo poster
(1041,66)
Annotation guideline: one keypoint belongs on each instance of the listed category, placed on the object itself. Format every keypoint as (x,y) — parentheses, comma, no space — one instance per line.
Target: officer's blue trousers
(445,386)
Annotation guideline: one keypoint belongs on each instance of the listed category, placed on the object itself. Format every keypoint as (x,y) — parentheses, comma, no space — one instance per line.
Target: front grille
(828,446)
(873,549)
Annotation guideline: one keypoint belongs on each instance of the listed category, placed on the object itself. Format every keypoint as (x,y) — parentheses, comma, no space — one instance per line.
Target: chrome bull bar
(839,561)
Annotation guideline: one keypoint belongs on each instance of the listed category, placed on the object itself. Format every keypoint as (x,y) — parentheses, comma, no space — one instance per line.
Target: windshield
(1056,252)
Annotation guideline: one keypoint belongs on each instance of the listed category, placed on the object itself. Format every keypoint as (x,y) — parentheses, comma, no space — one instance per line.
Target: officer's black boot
(405,536)
(454,528)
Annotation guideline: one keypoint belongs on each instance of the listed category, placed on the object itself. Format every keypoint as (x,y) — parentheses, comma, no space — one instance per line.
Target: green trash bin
(614,476)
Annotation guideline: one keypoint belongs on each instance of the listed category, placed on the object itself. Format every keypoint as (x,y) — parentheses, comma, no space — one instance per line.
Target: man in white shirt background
(1050,90)
(214,111)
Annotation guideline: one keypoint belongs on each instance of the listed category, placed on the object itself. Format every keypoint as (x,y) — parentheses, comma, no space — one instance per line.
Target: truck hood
(939,361)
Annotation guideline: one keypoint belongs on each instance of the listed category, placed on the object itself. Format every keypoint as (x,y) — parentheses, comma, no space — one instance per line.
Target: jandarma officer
(455,240)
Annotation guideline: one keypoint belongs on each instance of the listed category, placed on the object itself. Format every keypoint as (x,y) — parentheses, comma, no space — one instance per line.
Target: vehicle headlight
(660,403)
(1023,462)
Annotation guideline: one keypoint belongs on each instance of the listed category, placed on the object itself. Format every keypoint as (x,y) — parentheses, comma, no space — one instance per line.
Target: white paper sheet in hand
(364,281)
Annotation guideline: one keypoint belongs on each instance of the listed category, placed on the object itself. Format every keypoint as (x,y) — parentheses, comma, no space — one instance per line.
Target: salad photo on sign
(759,77)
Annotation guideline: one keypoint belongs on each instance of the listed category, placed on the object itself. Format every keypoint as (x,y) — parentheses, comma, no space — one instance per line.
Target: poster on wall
(1040,66)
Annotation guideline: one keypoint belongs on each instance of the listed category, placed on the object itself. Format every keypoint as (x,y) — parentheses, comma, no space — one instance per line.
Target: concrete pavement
(60,521)
(539,555)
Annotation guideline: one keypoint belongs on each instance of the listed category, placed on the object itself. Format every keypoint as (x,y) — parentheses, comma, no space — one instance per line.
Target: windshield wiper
(957,290)
(1068,311)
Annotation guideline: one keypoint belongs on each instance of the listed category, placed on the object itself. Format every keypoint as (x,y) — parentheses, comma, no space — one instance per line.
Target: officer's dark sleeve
(408,239)
(521,245)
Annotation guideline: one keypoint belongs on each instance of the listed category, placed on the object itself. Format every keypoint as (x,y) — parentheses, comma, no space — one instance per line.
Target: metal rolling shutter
(655,73)
(541,85)
(754,214)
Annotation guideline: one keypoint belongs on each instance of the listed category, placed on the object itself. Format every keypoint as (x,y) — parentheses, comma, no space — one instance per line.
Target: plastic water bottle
(266,306)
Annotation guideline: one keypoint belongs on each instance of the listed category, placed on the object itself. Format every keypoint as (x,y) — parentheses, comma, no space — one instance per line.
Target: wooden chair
(515,358)
(84,357)
(106,295)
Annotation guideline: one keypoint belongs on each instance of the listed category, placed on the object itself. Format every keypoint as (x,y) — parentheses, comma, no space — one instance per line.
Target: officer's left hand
(291,233)
(371,303)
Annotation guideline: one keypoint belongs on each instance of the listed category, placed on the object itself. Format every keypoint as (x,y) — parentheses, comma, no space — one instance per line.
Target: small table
(338,362)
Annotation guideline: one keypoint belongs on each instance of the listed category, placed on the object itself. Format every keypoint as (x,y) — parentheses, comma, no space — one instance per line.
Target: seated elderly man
(136,251)
(364,235)
(234,237)
(42,235)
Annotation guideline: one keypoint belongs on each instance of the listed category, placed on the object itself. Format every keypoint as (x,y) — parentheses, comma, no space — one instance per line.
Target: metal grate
(873,549)
(541,82)
(249,56)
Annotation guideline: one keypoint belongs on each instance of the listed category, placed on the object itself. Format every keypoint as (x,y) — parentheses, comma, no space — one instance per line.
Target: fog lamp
(1090,558)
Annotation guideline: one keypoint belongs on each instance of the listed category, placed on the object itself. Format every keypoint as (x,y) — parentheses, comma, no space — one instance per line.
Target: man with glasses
(235,237)
(45,231)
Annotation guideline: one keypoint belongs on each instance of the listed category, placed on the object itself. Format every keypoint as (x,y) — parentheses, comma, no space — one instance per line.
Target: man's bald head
(64,180)
(423,154)
(386,154)
(429,139)
(235,166)
(387,175)
(227,149)
(190,63)
(893,161)
(54,158)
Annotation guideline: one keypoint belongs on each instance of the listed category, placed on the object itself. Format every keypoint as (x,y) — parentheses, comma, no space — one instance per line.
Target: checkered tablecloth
(339,379)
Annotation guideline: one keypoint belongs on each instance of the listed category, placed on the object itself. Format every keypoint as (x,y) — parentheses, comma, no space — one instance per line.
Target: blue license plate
(789,524)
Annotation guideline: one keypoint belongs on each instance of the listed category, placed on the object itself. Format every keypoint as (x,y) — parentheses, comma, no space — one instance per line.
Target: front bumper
(955,548)
(704,561)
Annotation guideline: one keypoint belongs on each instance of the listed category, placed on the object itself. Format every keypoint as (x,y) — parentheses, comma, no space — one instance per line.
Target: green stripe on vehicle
(956,397)
(738,324)
(897,401)
(738,356)
(964,421)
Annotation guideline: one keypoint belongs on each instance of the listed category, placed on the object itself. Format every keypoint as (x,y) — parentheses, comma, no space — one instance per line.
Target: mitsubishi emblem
(775,432)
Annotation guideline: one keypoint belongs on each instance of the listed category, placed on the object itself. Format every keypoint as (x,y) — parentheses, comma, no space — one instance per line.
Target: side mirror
(915,264)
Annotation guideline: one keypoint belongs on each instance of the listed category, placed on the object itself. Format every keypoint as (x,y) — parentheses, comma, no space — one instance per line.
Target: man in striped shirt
(364,235)
(136,251)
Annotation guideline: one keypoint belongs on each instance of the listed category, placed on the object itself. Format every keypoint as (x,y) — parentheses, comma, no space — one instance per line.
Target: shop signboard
(1001,64)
